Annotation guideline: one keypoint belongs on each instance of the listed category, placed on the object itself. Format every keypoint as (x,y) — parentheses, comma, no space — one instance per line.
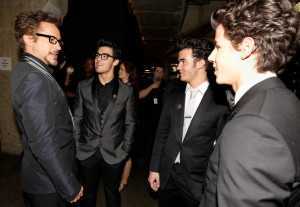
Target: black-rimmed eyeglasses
(103,56)
(52,39)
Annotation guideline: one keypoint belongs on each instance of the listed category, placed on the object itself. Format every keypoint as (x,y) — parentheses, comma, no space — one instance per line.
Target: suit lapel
(179,116)
(196,121)
(256,89)
(107,111)
(95,102)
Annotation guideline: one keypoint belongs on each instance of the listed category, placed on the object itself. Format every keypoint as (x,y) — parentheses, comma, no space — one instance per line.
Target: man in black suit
(42,112)
(186,131)
(105,117)
(256,161)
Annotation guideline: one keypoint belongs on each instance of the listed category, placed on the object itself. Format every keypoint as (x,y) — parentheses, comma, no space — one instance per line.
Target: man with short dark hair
(48,163)
(150,106)
(256,161)
(187,130)
(105,117)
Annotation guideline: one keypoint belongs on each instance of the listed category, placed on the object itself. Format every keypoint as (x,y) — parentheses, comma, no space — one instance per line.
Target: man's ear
(116,62)
(28,40)
(200,64)
(247,47)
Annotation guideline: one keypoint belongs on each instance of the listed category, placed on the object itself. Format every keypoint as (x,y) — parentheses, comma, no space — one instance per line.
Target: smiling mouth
(54,54)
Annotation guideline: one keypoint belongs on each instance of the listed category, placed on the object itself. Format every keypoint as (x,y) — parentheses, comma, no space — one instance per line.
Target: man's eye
(52,39)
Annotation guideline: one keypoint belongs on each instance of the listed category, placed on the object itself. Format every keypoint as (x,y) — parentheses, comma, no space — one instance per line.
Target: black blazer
(256,161)
(197,145)
(110,131)
(48,163)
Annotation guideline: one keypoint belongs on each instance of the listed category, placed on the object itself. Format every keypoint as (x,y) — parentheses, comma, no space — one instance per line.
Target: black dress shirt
(104,93)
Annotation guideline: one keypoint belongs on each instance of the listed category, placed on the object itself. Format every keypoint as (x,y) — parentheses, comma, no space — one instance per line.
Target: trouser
(176,192)
(44,200)
(91,170)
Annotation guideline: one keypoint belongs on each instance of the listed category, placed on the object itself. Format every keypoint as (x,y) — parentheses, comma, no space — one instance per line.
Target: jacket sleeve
(161,137)
(78,114)
(255,167)
(38,116)
(129,122)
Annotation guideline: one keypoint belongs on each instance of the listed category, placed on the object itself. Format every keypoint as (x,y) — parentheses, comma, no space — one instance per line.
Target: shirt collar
(109,84)
(47,67)
(202,88)
(253,81)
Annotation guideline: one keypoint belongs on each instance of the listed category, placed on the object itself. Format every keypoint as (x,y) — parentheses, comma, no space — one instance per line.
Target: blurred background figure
(67,77)
(128,74)
(88,68)
(150,95)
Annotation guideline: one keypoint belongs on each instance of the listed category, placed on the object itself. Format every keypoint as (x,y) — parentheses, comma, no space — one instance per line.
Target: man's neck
(105,78)
(197,82)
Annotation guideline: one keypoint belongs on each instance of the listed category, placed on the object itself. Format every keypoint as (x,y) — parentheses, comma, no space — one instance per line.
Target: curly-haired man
(48,162)
(256,161)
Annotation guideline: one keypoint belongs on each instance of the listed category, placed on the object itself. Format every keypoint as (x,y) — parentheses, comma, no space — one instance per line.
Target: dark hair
(158,66)
(201,48)
(273,24)
(132,72)
(27,23)
(115,48)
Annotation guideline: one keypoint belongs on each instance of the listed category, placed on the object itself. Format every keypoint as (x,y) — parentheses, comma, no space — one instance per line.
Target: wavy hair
(108,43)
(132,72)
(273,24)
(27,23)
(201,49)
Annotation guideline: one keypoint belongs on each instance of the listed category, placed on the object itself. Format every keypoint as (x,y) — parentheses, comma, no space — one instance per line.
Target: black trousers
(44,200)
(176,192)
(91,170)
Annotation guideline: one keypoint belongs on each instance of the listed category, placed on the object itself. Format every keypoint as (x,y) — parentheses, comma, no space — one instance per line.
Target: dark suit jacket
(197,145)
(256,160)
(47,133)
(111,132)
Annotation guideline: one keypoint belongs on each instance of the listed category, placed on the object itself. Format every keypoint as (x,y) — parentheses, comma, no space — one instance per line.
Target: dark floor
(135,195)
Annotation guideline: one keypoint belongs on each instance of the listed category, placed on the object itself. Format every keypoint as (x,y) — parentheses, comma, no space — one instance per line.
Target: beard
(52,61)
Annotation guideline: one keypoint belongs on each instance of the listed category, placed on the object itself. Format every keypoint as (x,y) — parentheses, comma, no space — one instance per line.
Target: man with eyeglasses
(48,164)
(104,116)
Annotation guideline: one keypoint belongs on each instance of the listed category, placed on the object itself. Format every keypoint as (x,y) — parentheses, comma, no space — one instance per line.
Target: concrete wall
(11,141)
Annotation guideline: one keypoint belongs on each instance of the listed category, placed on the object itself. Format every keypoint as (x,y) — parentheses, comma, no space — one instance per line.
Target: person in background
(88,68)
(128,74)
(66,76)
(150,106)
(256,160)
(48,174)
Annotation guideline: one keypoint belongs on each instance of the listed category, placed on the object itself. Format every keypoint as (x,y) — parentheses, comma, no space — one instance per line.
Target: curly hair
(273,24)
(201,48)
(27,23)
(108,43)
(132,72)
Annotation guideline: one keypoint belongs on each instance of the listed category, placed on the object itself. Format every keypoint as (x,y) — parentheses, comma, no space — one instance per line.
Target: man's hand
(155,84)
(154,180)
(78,196)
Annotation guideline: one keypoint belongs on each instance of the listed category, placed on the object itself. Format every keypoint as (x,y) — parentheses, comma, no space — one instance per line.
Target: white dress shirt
(248,84)
(201,91)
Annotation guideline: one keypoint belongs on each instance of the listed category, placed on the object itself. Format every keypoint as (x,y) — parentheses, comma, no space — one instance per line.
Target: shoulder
(86,82)
(124,86)
(144,83)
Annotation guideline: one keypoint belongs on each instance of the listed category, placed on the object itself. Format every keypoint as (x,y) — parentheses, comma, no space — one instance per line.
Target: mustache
(54,52)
